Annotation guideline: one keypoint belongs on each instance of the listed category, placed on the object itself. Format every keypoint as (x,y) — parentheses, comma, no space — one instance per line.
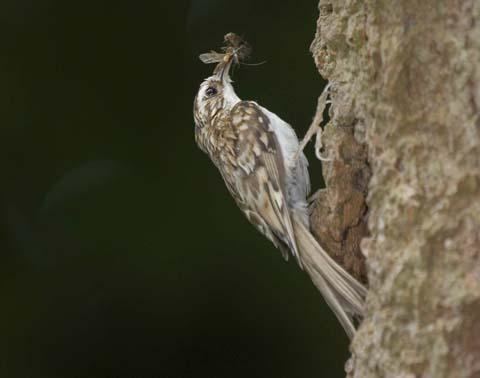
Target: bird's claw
(315,128)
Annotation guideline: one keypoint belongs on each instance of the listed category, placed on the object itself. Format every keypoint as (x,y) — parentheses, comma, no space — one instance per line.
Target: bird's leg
(315,128)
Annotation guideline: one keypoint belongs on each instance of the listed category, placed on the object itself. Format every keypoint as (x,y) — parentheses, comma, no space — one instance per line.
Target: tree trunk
(404,131)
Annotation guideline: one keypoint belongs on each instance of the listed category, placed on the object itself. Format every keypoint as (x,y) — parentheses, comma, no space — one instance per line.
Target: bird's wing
(260,175)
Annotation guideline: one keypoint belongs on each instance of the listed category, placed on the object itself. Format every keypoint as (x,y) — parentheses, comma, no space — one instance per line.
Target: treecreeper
(264,169)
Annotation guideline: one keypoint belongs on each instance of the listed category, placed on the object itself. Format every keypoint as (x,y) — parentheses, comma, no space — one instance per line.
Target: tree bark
(404,131)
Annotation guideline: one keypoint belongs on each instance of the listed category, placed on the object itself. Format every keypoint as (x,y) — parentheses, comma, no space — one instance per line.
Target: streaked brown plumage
(258,157)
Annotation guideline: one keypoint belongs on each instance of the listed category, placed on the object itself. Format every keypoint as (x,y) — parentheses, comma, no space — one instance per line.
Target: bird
(266,172)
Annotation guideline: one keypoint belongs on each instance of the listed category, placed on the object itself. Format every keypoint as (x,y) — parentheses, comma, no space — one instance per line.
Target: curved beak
(222,70)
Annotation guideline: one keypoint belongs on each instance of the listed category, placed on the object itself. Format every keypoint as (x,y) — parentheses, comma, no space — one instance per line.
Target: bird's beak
(222,70)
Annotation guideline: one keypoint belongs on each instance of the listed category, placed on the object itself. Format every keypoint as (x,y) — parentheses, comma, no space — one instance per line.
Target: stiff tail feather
(342,292)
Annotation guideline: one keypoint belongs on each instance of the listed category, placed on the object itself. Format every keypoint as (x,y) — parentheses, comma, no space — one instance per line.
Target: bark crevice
(405,134)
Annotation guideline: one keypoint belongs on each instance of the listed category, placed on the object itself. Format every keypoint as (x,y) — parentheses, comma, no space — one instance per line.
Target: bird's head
(215,95)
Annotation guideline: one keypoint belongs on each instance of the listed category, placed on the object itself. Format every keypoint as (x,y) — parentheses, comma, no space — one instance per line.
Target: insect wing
(211,57)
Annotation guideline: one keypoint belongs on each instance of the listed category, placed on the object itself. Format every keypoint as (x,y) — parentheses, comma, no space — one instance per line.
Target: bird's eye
(211,91)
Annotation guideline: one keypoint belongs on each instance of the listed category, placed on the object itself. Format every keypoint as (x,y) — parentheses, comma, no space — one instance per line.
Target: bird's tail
(342,292)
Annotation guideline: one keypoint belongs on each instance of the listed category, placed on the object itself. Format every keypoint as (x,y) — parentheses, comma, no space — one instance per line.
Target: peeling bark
(406,88)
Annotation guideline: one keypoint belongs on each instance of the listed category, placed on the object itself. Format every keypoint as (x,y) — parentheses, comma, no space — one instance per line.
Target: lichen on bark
(406,82)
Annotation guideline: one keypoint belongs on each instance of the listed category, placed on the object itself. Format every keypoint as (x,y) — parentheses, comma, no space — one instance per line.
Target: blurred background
(122,254)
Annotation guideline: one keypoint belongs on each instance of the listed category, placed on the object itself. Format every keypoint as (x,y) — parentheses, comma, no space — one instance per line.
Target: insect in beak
(235,51)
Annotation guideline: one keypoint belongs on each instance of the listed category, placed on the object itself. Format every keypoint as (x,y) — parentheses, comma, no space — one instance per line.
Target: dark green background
(122,254)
